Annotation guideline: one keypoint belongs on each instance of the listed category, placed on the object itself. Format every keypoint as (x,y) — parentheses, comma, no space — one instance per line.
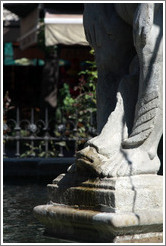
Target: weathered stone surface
(141,238)
(129,89)
(100,210)
(113,193)
(94,226)
(108,194)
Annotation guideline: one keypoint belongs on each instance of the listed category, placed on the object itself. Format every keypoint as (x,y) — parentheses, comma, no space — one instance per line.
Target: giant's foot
(124,162)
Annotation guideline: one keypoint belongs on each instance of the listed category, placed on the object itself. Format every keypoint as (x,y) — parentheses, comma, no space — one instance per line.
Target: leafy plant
(67,100)
(38,151)
(82,108)
(75,116)
(6,108)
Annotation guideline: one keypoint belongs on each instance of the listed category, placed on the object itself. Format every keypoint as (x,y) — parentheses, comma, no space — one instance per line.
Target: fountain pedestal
(120,209)
(128,45)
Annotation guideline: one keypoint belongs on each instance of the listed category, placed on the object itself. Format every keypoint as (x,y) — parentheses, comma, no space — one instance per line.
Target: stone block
(120,209)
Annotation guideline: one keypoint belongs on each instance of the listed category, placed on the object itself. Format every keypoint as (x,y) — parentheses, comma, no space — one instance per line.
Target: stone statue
(112,193)
(127,39)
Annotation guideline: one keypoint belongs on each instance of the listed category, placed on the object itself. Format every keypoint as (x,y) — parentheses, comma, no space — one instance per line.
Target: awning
(64,29)
(29,27)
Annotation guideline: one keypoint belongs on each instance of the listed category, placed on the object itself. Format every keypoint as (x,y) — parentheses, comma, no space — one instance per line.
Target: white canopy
(64,29)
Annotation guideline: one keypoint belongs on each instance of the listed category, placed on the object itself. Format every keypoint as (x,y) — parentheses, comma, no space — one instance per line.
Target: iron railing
(34,131)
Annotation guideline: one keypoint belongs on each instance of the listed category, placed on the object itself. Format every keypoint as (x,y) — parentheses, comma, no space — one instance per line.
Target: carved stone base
(152,237)
(123,209)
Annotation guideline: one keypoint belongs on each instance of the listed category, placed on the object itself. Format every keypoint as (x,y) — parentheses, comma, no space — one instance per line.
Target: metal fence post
(46,131)
(75,130)
(33,130)
(4,152)
(67,131)
(17,129)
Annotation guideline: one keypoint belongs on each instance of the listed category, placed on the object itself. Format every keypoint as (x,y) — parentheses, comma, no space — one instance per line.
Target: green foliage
(7,104)
(81,108)
(73,114)
(38,151)
(67,100)
(6,108)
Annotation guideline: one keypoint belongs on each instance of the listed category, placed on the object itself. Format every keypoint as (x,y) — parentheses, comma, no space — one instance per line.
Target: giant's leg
(141,146)
(148,32)
(112,40)
(114,52)
(138,153)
